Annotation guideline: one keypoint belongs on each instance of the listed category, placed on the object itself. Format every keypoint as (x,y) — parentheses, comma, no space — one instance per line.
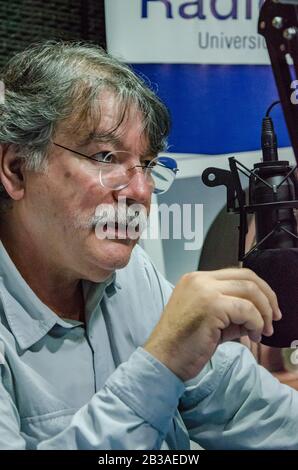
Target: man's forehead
(115,112)
(121,142)
(127,131)
(115,124)
(101,136)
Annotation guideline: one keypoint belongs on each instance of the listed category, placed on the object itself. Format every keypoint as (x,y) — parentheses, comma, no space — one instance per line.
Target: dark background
(23,22)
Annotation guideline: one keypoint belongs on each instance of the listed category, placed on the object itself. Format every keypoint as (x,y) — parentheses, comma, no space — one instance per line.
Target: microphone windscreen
(279,268)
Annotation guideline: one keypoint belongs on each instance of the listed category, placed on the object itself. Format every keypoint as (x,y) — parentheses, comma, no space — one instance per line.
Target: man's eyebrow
(103,138)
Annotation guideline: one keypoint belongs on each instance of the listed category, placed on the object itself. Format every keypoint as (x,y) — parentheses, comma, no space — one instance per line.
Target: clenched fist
(206,309)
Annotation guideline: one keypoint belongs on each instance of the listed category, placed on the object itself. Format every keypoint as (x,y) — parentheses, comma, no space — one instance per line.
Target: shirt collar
(28,317)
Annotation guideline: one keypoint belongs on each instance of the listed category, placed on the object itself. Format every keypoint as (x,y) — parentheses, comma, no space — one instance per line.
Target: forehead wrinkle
(110,138)
(103,137)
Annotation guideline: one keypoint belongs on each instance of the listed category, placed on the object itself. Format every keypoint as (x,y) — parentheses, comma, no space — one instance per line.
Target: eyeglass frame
(91,157)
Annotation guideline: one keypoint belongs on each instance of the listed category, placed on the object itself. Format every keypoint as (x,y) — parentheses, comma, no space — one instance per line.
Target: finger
(241,312)
(233,332)
(250,290)
(249,275)
(269,292)
(253,337)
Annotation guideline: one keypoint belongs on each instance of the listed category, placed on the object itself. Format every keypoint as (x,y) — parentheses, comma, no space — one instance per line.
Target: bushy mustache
(130,215)
(134,216)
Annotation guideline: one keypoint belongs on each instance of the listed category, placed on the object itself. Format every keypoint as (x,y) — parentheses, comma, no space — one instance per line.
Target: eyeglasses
(114,173)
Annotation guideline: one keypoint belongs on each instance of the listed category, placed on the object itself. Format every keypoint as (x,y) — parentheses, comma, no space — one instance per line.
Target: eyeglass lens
(160,172)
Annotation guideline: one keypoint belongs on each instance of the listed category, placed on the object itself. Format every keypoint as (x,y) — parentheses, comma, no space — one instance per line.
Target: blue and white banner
(207,62)
(217,96)
(179,31)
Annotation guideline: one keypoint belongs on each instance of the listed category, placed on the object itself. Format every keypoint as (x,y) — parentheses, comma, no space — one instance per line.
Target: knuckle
(188,277)
(260,323)
(244,306)
(271,298)
(267,312)
(195,277)
(194,280)
(236,304)
(250,287)
(249,272)
(250,308)
(268,288)
(233,270)
(253,276)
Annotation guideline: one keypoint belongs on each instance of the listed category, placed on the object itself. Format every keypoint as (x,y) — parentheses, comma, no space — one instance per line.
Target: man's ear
(11,172)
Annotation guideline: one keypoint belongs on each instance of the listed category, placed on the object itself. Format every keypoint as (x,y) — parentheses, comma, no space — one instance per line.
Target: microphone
(273,181)
(272,198)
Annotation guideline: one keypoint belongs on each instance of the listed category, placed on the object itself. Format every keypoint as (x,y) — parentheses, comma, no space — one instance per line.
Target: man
(97,352)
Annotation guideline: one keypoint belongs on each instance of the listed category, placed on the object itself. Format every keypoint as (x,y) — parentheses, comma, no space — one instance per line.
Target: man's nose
(139,189)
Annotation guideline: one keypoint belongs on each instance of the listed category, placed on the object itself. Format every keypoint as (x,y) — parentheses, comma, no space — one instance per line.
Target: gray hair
(59,83)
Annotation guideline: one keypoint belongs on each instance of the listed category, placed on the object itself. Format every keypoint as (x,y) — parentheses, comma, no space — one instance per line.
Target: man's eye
(150,163)
(103,156)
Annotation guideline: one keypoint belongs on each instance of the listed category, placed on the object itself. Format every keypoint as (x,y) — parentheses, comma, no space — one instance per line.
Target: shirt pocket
(39,428)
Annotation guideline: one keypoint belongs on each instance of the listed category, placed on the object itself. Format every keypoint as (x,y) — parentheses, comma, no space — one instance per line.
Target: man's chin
(113,254)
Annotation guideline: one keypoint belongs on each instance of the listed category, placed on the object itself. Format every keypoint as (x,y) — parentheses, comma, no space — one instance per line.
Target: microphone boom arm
(278,23)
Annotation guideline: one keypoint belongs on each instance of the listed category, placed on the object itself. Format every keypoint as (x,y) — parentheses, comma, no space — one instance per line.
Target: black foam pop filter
(279,268)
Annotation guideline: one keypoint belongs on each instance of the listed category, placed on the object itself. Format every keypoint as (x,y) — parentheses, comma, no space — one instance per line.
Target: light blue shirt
(66,387)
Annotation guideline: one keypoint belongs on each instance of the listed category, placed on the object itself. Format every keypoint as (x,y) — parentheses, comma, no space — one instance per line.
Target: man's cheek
(92,195)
